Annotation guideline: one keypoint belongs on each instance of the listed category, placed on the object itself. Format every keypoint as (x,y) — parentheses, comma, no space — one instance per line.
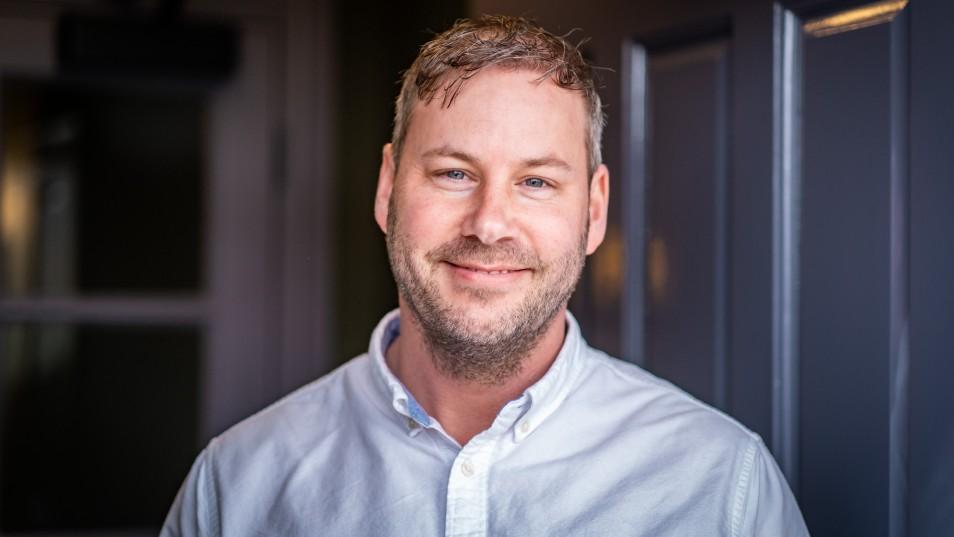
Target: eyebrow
(551,161)
(447,151)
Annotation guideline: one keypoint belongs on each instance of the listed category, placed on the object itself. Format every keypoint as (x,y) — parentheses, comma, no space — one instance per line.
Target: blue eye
(535,182)
(456,175)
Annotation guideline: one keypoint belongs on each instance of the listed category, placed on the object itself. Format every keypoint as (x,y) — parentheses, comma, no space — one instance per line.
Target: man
(479,409)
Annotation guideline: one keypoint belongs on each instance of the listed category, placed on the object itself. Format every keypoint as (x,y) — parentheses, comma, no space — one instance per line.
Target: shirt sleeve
(194,513)
(767,505)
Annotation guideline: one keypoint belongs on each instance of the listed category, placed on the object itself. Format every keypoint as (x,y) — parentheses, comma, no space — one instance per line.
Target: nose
(490,218)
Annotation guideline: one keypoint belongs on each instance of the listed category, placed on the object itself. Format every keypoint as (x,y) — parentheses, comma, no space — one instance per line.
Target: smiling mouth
(493,271)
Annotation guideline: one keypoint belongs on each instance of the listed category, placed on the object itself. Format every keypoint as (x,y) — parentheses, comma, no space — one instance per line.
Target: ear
(382,198)
(598,208)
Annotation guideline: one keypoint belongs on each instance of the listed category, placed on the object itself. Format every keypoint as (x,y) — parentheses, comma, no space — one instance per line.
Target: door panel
(687,217)
(931,425)
(845,287)
(99,422)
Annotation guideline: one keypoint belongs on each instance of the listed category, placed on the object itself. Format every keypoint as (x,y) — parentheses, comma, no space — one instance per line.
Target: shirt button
(411,424)
(525,427)
(467,468)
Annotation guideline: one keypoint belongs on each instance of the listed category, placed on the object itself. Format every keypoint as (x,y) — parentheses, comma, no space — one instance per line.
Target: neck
(465,408)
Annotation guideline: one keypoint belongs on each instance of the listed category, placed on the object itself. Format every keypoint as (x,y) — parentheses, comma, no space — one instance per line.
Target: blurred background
(185,213)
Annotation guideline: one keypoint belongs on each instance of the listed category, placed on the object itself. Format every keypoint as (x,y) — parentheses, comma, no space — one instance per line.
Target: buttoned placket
(469,480)
(467,503)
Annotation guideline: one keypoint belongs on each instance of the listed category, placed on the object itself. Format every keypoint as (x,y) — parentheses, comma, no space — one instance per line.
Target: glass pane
(98,424)
(101,190)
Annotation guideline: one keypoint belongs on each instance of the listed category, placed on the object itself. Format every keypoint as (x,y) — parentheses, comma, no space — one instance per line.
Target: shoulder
(295,423)
(243,471)
(656,437)
(656,431)
(646,402)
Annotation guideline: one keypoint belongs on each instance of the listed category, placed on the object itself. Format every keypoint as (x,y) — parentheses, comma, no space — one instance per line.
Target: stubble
(461,347)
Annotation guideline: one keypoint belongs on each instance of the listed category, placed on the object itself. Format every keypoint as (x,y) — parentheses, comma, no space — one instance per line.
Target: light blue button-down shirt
(596,447)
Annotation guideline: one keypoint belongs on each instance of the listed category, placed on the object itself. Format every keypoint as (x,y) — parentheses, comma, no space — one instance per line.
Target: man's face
(490,217)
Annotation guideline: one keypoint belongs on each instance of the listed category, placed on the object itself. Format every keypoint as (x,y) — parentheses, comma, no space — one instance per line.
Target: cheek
(424,222)
(558,233)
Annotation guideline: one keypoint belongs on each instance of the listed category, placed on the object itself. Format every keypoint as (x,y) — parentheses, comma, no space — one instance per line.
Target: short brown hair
(495,40)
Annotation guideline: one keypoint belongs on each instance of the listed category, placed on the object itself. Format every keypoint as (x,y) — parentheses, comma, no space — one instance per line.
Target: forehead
(503,113)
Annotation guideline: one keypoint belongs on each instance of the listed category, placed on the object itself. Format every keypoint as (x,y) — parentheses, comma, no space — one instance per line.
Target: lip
(486,273)
(486,269)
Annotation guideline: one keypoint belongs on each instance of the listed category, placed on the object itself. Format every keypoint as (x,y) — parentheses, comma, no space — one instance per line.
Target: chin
(482,302)
(484,316)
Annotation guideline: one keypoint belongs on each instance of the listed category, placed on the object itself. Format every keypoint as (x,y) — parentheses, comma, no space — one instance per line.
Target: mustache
(469,249)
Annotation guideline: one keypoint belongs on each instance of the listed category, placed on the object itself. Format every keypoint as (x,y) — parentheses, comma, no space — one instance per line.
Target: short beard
(461,348)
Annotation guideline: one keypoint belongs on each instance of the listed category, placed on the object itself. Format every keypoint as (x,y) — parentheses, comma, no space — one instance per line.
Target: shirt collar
(401,399)
(540,400)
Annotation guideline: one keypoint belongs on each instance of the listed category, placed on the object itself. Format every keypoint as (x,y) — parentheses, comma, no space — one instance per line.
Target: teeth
(491,271)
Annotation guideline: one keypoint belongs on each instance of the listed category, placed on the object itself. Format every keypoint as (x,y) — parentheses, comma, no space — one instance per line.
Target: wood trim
(635,148)
(786,156)
(721,281)
(113,310)
(899,309)
(309,216)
